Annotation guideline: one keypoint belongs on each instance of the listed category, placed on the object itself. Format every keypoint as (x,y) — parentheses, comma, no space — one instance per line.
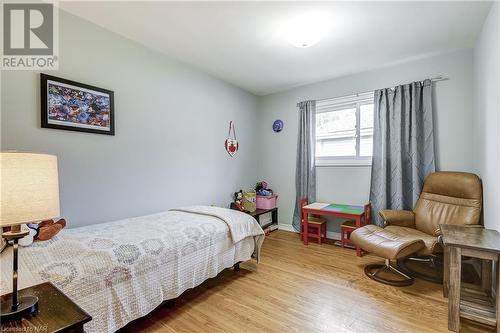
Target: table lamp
(29,194)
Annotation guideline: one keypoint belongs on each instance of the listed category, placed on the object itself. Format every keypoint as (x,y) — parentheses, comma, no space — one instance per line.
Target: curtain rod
(434,79)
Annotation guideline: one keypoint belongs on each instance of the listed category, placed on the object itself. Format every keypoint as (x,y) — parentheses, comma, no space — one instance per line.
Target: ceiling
(241,42)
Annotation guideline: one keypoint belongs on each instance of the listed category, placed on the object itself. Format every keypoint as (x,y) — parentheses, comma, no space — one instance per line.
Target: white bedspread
(120,271)
(240,226)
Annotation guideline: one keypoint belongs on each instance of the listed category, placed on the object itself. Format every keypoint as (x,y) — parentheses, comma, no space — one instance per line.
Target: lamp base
(27,305)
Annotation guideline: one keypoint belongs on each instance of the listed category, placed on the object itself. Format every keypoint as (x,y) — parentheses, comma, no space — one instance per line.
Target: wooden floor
(302,289)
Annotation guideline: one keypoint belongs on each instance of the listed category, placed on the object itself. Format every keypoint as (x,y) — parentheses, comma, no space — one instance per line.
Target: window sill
(343,162)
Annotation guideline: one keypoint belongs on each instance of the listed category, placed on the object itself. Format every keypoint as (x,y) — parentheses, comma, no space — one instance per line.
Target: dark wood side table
(257,213)
(274,216)
(56,312)
(473,304)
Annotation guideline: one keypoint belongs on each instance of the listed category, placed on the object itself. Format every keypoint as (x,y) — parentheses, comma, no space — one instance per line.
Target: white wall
(171,123)
(487,106)
(453,118)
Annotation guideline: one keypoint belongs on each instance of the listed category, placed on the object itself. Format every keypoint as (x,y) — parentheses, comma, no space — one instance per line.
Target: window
(344,130)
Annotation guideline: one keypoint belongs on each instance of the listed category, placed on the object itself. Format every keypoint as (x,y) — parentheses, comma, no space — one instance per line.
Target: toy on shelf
(250,201)
(266,198)
(262,190)
(238,200)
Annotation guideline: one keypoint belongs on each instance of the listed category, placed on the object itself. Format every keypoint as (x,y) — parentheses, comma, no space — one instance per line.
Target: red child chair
(349,226)
(316,226)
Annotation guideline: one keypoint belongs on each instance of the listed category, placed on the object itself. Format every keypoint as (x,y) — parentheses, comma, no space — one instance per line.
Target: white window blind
(344,130)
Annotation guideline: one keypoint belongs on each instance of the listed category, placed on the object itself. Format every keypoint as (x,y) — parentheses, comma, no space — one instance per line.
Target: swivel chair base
(373,272)
(428,268)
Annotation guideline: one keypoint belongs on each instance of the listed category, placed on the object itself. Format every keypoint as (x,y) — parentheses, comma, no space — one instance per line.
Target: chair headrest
(454,184)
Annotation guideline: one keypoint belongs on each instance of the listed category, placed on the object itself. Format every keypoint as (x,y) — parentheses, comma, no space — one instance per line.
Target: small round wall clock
(278,125)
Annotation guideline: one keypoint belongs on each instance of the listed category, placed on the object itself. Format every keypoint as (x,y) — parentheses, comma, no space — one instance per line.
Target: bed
(120,271)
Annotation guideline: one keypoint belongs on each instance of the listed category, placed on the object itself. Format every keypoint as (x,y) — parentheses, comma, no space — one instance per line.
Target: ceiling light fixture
(305,30)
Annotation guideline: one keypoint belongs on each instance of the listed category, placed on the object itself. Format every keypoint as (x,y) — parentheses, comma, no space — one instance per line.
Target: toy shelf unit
(267,218)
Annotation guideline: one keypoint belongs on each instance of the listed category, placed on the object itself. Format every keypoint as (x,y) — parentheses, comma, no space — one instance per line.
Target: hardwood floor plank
(299,288)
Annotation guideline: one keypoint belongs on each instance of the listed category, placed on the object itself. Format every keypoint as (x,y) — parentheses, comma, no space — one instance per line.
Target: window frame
(339,104)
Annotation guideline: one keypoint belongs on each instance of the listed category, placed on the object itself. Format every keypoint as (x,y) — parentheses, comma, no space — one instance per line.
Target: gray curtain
(305,174)
(403,146)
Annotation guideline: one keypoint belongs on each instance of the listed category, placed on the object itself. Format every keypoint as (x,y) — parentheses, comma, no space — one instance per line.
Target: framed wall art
(75,106)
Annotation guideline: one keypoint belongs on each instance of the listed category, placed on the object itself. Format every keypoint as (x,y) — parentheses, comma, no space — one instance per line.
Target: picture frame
(75,106)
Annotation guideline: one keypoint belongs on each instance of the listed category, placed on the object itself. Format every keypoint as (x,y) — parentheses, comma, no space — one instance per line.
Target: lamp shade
(29,188)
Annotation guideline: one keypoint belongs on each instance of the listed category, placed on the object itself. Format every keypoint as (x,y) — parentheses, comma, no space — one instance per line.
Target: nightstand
(271,225)
(56,312)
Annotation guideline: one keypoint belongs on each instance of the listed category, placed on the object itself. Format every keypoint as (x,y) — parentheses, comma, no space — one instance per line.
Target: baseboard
(286,227)
(329,234)
(333,235)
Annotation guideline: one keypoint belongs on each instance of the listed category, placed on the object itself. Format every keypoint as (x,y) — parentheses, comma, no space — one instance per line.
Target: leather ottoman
(388,245)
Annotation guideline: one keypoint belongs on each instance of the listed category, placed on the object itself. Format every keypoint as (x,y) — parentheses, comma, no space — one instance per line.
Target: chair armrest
(401,218)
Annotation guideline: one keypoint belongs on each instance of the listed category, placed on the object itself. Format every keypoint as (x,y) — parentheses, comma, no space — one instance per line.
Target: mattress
(120,271)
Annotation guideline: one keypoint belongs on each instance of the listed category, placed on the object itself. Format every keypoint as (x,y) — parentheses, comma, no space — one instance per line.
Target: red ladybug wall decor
(231,143)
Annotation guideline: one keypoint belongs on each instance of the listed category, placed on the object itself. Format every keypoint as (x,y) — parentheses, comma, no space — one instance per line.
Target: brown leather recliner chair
(446,198)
